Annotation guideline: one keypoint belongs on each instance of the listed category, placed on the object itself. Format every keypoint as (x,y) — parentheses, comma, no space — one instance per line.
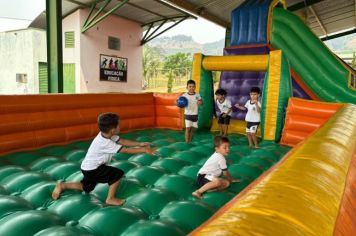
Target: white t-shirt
(100,152)
(192,108)
(214,166)
(224,106)
(252,114)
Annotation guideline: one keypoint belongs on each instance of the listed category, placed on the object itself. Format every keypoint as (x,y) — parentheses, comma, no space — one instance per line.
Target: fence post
(170,82)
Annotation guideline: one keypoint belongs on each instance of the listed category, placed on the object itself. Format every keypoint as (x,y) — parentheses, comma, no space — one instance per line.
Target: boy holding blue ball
(191,110)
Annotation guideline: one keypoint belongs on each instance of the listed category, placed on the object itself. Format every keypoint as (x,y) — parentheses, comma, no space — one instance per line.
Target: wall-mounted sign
(113,68)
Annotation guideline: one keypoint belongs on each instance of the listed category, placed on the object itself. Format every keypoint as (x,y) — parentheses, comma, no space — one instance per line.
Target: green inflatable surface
(317,67)
(157,188)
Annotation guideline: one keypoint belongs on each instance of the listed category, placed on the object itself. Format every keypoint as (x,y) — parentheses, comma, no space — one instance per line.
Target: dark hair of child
(108,121)
(190,82)
(255,90)
(218,140)
(220,92)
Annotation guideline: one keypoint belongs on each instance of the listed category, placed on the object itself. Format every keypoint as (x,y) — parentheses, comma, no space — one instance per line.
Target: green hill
(186,44)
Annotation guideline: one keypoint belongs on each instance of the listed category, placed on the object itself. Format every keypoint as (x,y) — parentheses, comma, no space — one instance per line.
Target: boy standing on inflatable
(191,110)
(224,106)
(253,116)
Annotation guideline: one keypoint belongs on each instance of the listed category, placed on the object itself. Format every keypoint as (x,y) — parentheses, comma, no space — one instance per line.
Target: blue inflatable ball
(182,102)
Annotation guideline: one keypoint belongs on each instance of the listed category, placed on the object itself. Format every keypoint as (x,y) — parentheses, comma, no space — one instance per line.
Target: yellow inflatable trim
(236,127)
(196,69)
(236,63)
(301,195)
(273,87)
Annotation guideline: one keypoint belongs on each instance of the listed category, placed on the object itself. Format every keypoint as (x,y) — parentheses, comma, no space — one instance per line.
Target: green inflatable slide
(317,67)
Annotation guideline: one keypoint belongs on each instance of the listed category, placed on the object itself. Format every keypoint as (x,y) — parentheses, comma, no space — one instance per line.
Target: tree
(151,61)
(177,63)
(176,66)
(170,82)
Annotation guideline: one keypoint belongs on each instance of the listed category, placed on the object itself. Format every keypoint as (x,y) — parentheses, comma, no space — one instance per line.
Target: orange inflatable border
(34,121)
(303,117)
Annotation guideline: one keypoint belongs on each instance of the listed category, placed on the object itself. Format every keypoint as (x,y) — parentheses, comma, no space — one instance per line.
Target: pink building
(85,50)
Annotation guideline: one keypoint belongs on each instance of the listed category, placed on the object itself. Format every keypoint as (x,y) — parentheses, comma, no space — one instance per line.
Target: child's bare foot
(115,201)
(197,194)
(212,190)
(257,147)
(57,191)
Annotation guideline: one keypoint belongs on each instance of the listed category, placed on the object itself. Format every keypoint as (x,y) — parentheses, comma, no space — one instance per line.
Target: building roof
(324,17)
(329,17)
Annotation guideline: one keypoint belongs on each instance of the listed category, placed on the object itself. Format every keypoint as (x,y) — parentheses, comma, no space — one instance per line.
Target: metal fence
(157,80)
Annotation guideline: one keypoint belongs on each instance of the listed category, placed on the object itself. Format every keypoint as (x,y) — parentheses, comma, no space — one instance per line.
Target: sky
(18,14)
(201,30)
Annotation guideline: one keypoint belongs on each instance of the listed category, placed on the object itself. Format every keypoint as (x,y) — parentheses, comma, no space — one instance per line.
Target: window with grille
(114,43)
(69,39)
(21,78)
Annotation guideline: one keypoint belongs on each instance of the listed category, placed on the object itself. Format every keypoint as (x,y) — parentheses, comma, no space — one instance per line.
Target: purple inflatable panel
(238,84)
(298,91)
(247,51)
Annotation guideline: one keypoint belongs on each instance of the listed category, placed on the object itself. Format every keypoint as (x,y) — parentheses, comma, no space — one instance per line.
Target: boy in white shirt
(224,106)
(191,110)
(94,166)
(208,176)
(253,116)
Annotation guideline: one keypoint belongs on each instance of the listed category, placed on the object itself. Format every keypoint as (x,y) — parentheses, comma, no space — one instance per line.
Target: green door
(68,78)
(42,78)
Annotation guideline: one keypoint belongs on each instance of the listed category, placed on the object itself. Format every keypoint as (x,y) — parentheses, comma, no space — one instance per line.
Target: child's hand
(150,151)
(199,102)
(145,144)
(238,106)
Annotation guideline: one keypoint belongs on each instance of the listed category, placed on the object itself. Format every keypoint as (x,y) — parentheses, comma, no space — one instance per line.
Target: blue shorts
(201,180)
(251,127)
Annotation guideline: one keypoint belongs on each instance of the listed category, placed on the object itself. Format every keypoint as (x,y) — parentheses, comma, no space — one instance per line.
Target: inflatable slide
(300,182)
(309,191)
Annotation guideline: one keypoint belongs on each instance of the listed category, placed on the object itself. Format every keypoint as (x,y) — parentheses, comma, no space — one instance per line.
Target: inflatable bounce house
(300,182)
